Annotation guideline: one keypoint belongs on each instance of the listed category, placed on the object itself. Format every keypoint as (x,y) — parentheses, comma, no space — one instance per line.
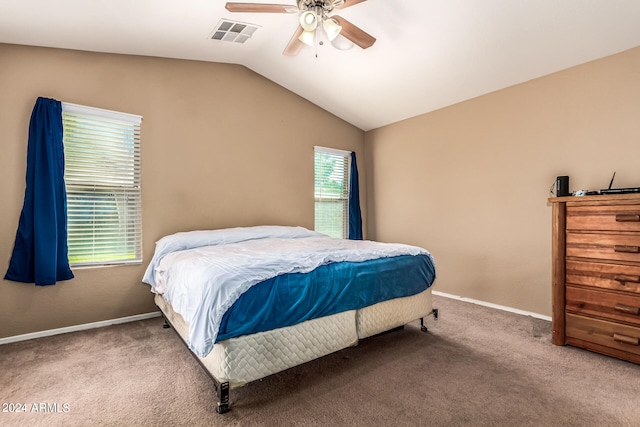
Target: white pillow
(194,239)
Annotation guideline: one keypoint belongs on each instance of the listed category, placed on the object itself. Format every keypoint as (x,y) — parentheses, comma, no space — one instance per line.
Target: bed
(253,301)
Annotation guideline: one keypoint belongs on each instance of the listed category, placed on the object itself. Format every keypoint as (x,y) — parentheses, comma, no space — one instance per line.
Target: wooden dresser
(596,274)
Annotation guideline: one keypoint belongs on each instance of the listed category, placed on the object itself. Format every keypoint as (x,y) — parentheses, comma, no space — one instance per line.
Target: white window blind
(102,175)
(331,171)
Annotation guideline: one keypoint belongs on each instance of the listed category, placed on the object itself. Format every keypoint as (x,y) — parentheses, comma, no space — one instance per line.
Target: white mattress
(248,358)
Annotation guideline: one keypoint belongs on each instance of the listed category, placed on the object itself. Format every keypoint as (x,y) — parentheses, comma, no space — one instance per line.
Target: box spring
(248,358)
(251,357)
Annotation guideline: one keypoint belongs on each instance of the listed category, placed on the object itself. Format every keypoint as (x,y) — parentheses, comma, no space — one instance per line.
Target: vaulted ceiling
(428,54)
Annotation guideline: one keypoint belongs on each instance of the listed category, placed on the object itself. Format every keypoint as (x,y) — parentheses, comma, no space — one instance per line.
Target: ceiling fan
(316,22)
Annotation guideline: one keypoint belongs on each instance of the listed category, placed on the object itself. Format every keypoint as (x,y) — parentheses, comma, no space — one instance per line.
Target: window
(331,170)
(102,175)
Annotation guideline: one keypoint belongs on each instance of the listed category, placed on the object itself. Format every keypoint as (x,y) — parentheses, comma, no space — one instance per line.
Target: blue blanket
(292,298)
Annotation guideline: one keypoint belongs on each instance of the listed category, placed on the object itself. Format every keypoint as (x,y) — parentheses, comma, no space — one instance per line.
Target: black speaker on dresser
(562,186)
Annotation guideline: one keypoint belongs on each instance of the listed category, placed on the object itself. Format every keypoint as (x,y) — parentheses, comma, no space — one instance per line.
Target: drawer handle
(627,309)
(623,279)
(626,249)
(626,339)
(627,218)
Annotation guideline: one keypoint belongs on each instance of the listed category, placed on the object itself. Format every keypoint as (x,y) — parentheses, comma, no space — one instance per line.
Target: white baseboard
(76,328)
(496,306)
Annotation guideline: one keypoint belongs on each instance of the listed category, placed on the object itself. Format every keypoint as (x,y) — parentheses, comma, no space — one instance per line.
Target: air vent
(231,31)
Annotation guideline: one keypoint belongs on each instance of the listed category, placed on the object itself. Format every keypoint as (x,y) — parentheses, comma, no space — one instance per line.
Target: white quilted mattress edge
(381,317)
(251,357)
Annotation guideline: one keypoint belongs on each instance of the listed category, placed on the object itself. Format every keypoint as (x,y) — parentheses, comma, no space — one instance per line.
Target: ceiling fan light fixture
(342,43)
(308,37)
(331,28)
(308,20)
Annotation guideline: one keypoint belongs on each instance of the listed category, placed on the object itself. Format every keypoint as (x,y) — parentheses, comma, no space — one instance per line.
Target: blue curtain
(355,216)
(40,253)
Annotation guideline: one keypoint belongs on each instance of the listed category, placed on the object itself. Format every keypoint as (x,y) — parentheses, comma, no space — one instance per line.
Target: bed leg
(223,396)
(166,325)
(423,328)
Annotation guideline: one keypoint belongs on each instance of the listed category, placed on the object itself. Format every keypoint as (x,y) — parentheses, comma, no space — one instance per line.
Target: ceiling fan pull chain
(318,36)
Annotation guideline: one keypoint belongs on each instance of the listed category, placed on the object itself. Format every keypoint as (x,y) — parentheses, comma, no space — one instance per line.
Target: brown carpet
(477,366)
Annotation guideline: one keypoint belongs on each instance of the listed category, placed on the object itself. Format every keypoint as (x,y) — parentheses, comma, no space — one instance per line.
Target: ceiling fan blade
(348,3)
(354,34)
(295,44)
(260,8)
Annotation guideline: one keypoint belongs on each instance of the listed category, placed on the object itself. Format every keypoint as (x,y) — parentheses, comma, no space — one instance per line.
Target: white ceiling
(429,53)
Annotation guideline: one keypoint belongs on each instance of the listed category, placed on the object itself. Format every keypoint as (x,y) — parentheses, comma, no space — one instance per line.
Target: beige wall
(221,147)
(470,182)
(225,147)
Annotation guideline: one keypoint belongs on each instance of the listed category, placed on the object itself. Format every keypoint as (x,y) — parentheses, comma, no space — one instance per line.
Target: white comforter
(202,273)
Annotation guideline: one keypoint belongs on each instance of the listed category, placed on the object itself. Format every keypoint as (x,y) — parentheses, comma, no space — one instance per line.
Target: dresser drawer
(603,218)
(605,276)
(607,334)
(608,304)
(604,246)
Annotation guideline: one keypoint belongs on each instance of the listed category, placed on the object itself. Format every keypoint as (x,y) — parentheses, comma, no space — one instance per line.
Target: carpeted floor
(476,366)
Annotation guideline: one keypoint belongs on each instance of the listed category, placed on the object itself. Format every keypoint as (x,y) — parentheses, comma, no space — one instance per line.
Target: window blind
(102,175)
(331,172)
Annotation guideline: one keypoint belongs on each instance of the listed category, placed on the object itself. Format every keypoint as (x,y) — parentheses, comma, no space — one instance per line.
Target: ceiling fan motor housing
(324,6)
